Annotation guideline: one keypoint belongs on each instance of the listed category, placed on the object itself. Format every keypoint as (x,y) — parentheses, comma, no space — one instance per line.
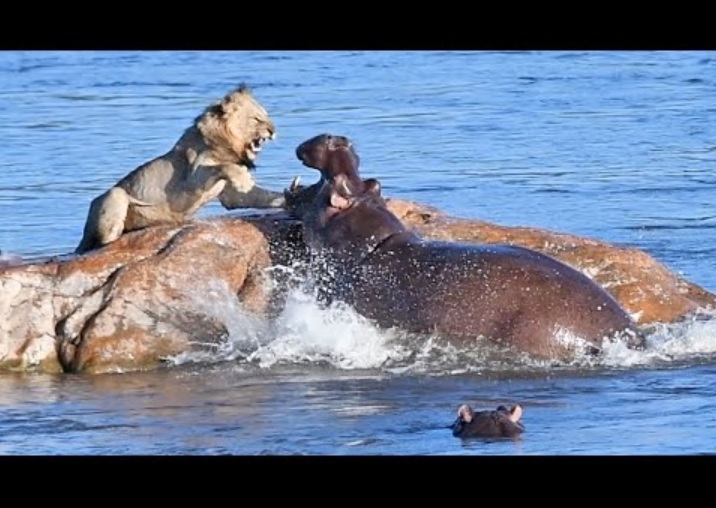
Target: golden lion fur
(211,159)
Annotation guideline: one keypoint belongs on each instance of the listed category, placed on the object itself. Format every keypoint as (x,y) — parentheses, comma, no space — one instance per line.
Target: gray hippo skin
(501,422)
(510,295)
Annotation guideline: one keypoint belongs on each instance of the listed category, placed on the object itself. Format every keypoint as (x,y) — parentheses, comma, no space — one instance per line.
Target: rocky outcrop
(133,303)
(150,294)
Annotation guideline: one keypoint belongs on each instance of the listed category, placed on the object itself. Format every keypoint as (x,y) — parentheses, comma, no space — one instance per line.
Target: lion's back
(151,180)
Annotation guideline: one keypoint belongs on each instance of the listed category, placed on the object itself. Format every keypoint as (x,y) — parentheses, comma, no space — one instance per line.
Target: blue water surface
(617,146)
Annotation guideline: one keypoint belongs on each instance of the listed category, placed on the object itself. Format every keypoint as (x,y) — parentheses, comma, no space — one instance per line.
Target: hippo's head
(341,212)
(335,157)
(319,151)
(501,422)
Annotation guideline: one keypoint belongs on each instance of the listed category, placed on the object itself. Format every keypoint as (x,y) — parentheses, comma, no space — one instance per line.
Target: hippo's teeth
(294,184)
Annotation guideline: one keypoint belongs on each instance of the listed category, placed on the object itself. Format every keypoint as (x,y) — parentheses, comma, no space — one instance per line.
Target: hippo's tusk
(346,189)
(294,184)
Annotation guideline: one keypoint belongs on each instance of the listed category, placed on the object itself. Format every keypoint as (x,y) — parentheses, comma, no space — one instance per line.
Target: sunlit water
(616,146)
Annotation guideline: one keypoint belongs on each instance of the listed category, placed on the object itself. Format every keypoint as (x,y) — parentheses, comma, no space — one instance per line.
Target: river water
(617,146)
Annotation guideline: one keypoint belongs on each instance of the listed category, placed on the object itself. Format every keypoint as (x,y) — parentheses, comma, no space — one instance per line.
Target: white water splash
(691,340)
(9,259)
(307,332)
(245,331)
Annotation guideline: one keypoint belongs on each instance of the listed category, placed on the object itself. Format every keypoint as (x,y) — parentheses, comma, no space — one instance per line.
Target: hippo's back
(509,294)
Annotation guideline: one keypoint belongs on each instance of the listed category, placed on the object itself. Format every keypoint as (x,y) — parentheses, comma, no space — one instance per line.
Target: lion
(212,158)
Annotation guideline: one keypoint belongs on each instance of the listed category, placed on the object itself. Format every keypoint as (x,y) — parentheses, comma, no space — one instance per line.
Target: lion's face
(237,124)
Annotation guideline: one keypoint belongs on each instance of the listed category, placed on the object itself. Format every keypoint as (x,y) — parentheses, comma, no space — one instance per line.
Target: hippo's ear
(338,201)
(516,413)
(372,186)
(465,413)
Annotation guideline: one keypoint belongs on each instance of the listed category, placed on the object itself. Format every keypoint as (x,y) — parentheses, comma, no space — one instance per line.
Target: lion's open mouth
(256,145)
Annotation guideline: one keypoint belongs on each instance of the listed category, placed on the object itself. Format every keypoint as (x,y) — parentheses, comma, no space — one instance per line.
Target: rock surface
(150,295)
(141,299)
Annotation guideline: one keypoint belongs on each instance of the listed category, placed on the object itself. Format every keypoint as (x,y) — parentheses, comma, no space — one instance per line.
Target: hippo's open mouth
(312,151)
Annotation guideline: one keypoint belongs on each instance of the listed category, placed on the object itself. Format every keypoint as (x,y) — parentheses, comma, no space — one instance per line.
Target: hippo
(512,296)
(501,422)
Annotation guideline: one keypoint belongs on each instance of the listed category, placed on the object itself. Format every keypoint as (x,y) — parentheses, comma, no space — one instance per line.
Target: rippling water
(618,146)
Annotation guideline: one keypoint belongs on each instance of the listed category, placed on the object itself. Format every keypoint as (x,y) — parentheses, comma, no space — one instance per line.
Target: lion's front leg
(242,192)
(256,197)
(299,198)
(205,196)
(105,220)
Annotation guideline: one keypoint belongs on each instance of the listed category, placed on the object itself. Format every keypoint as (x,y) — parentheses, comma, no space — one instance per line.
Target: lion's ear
(241,92)
(242,89)
(235,100)
(215,110)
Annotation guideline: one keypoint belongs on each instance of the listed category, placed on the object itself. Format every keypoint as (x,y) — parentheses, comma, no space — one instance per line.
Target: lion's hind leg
(105,220)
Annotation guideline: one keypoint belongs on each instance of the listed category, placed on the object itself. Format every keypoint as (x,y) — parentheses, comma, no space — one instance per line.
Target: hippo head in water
(501,422)
(342,213)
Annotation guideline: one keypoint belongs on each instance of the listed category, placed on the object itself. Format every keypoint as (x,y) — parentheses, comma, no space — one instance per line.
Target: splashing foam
(9,259)
(688,341)
(304,332)
(307,332)
(336,334)
(245,331)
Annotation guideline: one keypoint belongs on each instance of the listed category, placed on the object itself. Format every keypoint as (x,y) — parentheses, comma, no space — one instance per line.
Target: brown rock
(133,303)
(149,295)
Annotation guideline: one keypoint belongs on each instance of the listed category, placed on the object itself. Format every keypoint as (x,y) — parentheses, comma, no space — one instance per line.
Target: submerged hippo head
(501,422)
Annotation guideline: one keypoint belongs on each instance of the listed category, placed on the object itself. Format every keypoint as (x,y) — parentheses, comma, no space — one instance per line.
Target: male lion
(212,158)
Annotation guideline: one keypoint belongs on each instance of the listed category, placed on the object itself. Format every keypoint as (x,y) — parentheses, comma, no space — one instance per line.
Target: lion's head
(236,127)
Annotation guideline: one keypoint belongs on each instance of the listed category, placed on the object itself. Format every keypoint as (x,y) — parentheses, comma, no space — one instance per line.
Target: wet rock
(128,306)
(151,294)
